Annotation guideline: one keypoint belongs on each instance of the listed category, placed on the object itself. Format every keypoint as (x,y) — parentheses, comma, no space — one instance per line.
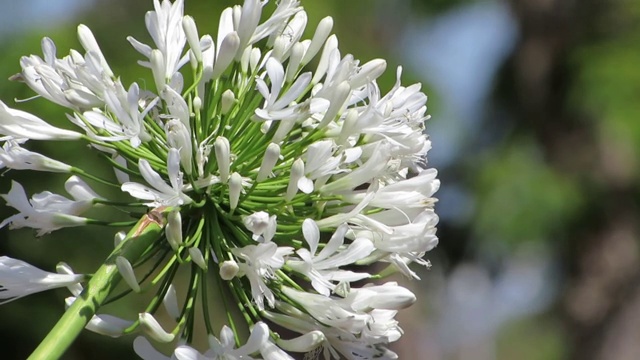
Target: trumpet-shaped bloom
(259,263)
(21,124)
(45,212)
(18,279)
(161,193)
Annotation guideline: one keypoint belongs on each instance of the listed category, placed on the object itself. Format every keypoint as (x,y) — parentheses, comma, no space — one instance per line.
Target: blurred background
(535,127)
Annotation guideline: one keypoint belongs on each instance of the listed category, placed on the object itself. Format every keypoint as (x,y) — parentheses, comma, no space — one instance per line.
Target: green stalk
(142,235)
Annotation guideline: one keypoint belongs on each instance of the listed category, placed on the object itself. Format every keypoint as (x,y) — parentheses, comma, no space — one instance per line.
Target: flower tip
(304,343)
(229,269)
(151,327)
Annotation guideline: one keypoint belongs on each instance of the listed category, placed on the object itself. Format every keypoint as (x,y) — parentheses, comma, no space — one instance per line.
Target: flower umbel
(286,179)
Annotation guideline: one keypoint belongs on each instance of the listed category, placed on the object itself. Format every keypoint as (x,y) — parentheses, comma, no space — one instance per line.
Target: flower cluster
(281,172)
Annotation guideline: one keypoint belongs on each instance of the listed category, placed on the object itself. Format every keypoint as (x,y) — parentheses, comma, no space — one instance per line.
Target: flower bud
(170,302)
(90,44)
(235,186)
(297,52)
(304,343)
(319,38)
(279,47)
(223,157)
(208,57)
(297,172)
(79,189)
(268,162)
(126,271)
(226,53)
(196,257)
(227,101)
(191,31)
(338,98)
(179,137)
(348,126)
(118,238)
(229,269)
(323,65)
(197,104)
(254,58)
(152,328)
(368,72)
(173,229)
(158,68)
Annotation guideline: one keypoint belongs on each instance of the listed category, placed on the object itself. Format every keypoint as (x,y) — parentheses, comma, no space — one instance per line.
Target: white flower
(80,190)
(103,324)
(124,105)
(161,194)
(415,192)
(13,156)
(260,261)
(153,329)
(320,163)
(372,168)
(179,137)
(284,193)
(18,279)
(46,212)
(75,81)
(146,351)
(328,311)
(165,27)
(362,345)
(123,121)
(388,296)
(324,267)
(20,124)
(274,102)
(224,347)
(91,46)
(261,225)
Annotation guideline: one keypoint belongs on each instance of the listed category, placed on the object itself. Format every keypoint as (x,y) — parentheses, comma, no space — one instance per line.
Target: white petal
(311,234)
(79,189)
(18,279)
(146,351)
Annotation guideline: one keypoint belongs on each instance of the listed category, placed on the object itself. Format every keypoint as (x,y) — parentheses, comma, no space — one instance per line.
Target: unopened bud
(152,328)
(229,269)
(304,343)
(235,187)
(297,172)
(226,53)
(126,271)
(196,257)
(227,101)
(319,38)
(118,238)
(191,31)
(173,229)
(170,302)
(268,162)
(158,68)
(222,150)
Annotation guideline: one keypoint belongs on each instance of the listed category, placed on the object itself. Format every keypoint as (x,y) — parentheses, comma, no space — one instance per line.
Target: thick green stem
(141,236)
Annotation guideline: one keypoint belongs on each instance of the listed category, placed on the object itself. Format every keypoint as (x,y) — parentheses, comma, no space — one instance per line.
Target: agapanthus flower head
(281,167)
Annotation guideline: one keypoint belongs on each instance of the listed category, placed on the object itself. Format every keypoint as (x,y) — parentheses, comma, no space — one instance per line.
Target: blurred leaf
(531,339)
(520,198)
(609,85)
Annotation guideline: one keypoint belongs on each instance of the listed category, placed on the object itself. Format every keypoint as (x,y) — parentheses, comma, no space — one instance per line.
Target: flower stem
(142,235)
